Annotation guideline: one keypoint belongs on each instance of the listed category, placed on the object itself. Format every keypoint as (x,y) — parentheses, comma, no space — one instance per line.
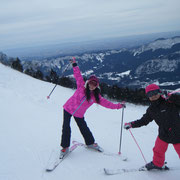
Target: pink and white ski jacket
(77,104)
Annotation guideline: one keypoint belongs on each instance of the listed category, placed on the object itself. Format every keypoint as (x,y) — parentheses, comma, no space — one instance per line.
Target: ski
(81,144)
(53,163)
(126,170)
(102,151)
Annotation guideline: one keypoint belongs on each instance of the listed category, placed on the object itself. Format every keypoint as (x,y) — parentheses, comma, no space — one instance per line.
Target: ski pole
(138,146)
(121,131)
(51,92)
(61,76)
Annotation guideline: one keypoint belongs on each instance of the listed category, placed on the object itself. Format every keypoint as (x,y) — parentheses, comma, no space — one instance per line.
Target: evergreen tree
(67,82)
(39,75)
(30,72)
(17,65)
(53,77)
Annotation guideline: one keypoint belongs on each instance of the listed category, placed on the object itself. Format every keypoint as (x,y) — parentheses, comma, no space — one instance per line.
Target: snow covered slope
(30,128)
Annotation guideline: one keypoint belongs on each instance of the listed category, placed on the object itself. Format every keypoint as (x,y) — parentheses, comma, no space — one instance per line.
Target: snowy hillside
(30,129)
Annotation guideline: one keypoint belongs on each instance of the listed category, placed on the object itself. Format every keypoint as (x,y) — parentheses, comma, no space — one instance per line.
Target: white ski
(126,170)
(81,144)
(102,151)
(53,163)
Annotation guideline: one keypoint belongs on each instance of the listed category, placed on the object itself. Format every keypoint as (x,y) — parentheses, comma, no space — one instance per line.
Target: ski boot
(63,152)
(96,147)
(151,166)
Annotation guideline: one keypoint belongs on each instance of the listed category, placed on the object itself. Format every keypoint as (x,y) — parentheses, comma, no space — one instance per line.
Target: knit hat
(152,87)
(93,78)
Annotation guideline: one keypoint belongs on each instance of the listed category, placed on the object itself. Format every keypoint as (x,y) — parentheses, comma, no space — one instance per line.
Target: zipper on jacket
(83,99)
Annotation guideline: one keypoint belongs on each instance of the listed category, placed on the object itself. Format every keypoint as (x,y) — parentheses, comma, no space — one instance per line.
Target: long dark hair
(96,93)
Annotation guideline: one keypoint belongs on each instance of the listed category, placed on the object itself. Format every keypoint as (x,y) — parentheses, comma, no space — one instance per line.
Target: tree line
(136,96)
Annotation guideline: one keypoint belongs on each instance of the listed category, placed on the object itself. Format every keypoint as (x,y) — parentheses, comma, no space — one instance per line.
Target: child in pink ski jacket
(86,94)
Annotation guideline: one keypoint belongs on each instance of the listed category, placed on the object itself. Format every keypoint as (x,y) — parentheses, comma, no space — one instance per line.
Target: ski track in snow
(30,129)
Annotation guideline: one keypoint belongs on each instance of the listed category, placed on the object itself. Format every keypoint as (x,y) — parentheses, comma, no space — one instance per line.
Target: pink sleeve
(105,103)
(79,79)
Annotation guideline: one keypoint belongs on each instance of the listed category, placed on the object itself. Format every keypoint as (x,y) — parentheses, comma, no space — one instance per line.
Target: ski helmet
(152,90)
(151,87)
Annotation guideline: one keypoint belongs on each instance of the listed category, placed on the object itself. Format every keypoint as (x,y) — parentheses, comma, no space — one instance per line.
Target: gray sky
(34,22)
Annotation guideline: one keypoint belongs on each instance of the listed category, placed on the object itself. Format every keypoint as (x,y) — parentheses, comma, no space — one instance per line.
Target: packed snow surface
(30,130)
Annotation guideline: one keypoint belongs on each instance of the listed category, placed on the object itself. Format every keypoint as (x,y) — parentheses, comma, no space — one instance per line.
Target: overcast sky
(28,22)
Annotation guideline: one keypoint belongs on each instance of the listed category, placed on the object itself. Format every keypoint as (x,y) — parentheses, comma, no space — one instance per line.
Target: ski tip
(48,170)
(105,171)
(124,158)
(48,97)
(74,142)
(101,150)
(143,168)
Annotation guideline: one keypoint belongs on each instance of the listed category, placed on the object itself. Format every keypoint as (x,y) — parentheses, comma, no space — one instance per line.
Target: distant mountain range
(59,49)
(155,62)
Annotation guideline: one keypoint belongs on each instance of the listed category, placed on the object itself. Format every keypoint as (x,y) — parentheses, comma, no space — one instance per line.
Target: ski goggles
(152,93)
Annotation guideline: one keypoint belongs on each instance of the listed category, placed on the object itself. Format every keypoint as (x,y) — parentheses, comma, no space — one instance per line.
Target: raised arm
(78,76)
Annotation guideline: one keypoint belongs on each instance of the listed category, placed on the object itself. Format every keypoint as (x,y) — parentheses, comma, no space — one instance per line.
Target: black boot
(151,166)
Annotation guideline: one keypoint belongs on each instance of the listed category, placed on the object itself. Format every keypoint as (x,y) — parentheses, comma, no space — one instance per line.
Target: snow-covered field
(30,129)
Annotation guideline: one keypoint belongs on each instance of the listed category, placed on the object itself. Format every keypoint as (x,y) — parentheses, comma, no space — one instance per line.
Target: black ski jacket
(166,114)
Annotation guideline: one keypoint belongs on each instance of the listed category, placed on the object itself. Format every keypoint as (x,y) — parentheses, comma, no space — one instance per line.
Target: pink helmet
(94,78)
(152,87)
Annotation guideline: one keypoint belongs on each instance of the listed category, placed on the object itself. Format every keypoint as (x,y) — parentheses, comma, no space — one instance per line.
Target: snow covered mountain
(158,61)
(30,130)
(154,62)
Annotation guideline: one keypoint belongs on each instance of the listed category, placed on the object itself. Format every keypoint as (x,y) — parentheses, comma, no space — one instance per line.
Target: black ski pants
(66,130)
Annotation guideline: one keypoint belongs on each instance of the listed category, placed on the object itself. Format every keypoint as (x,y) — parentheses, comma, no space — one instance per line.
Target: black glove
(73,62)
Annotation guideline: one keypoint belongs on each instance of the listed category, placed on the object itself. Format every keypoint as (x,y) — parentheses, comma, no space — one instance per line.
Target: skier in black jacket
(166,113)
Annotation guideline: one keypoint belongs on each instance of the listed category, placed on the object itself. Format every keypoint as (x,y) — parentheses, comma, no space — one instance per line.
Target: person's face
(92,85)
(154,97)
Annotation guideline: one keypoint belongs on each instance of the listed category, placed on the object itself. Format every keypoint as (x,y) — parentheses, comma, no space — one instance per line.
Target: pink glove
(121,105)
(127,126)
